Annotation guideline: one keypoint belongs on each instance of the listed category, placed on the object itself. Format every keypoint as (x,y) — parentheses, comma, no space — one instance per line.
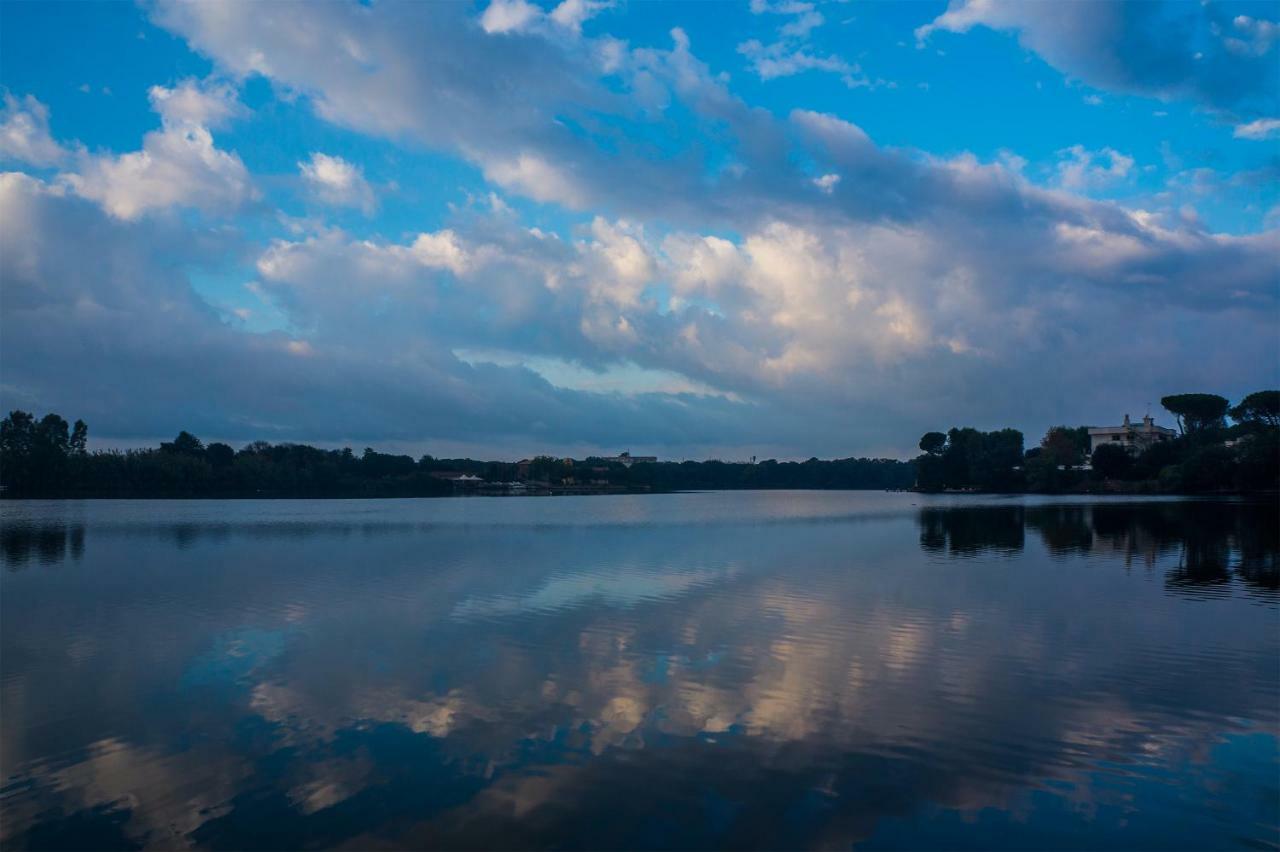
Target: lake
(730,669)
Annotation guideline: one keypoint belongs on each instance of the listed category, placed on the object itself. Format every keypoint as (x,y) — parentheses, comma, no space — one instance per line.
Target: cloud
(178,165)
(784,59)
(519,16)
(334,181)
(790,54)
(1168,50)
(788,308)
(1262,128)
(536,178)
(572,14)
(24,133)
(210,104)
(504,16)
(1082,169)
(827,183)
(367,377)
(711,250)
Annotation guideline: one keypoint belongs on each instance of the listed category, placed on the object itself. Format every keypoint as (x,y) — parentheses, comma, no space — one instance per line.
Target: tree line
(1208,455)
(47,458)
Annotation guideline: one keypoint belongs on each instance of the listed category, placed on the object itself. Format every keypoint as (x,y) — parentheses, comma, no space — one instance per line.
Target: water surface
(749,669)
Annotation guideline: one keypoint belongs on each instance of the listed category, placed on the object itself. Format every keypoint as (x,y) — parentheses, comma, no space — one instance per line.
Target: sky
(773,228)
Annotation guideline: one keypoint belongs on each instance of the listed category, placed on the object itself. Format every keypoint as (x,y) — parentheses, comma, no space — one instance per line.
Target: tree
(1111,462)
(17,434)
(33,454)
(995,467)
(1156,458)
(929,473)
(1207,468)
(933,443)
(219,455)
(1196,412)
(1065,445)
(185,444)
(49,453)
(1260,407)
(80,439)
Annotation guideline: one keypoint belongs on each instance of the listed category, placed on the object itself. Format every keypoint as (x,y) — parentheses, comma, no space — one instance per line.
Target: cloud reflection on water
(720,684)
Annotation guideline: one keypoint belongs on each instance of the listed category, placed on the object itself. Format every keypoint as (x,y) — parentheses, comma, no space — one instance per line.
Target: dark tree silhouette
(1260,407)
(1196,412)
(1111,462)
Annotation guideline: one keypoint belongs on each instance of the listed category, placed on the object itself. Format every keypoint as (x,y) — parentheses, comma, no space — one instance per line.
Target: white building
(1133,438)
(626,459)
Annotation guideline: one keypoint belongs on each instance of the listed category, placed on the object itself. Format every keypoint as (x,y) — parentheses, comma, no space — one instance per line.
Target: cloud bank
(809,290)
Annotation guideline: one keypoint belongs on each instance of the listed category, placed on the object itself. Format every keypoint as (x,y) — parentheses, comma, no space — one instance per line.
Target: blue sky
(779,228)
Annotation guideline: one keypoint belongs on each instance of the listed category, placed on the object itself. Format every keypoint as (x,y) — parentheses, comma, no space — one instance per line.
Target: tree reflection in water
(1204,543)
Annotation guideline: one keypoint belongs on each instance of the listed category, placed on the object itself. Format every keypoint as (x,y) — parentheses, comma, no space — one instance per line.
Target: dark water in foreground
(769,669)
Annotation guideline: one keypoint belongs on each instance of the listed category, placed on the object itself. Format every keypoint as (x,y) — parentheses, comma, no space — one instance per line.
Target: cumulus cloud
(1162,49)
(572,14)
(367,377)
(536,178)
(24,133)
(210,104)
(178,165)
(332,180)
(790,308)
(517,16)
(504,16)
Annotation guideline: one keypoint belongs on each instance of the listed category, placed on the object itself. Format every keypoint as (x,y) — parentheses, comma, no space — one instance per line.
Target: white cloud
(519,16)
(1082,169)
(177,166)
(791,54)
(536,178)
(784,59)
(440,250)
(506,16)
(827,183)
(210,104)
(1263,128)
(332,180)
(24,133)
(572,14)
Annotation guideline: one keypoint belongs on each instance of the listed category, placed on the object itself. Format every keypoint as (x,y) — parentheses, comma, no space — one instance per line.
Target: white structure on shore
(626,459)
(1133,438)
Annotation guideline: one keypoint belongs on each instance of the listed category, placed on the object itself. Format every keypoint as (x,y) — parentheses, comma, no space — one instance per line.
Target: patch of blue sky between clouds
(621,377)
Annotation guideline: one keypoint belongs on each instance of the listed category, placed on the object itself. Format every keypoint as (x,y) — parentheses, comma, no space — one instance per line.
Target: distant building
(1133,438)
(458,478)
(455,476)
(626,459)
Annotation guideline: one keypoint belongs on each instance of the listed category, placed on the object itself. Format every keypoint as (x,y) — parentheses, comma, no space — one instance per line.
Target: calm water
(770,669)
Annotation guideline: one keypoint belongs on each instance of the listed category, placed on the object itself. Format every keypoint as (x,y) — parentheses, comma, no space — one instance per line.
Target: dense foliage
(46,458)
(1207,456)
(971,460)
